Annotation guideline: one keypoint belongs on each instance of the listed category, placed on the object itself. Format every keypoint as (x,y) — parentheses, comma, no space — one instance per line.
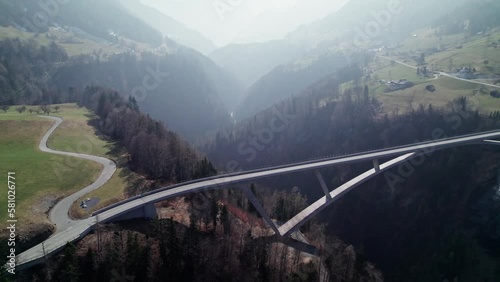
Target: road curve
(59,214)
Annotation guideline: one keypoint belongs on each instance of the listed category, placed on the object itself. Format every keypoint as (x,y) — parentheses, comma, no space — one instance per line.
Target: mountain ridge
(169,27)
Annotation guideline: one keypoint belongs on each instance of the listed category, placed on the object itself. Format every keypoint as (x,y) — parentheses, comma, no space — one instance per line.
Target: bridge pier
(150,211)
(260,209)
(147,211)
(292,225)
(323,184)
(376,165)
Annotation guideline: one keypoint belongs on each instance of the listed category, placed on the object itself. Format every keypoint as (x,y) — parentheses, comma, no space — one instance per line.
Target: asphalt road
(59,213)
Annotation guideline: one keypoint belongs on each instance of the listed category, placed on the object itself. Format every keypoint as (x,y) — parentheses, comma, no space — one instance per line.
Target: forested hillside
(229,88)
(291,79)
(260,63)
(169,27)
(180,93)
(471,18)
(426,209)
(225,240)
(154,151)
(322,122)
(249,62)
(25,70)
(174,88)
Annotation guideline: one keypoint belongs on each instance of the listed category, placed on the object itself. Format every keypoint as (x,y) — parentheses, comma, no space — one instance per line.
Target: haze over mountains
(247,77)
(168,26)
(232,22)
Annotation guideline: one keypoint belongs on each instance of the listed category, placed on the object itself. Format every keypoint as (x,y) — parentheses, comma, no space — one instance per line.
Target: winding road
(59,214)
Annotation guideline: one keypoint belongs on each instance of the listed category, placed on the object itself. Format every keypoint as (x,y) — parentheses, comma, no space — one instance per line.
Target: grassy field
(75,134)
(11,32)
(472,54)
(447,89)
(386,71)
(41,178)
(12,114)
(427,39)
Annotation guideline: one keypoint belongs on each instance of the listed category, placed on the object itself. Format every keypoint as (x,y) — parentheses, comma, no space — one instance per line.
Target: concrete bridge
(143,205)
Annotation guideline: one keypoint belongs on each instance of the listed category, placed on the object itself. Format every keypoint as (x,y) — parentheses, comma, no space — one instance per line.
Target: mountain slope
(102,19)
(249,62)
(423,217)
(229,89)
(369,21)
(174,89)
(169,27)
(287,80)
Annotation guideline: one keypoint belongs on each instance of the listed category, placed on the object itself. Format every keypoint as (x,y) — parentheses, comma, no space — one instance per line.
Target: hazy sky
(232,21)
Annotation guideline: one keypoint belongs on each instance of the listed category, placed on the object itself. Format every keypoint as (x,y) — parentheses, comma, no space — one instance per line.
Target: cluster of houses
(466,73)
(399,85)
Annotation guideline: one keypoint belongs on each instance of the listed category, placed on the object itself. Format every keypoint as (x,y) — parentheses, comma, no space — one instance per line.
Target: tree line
(154,151)
(179,85)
